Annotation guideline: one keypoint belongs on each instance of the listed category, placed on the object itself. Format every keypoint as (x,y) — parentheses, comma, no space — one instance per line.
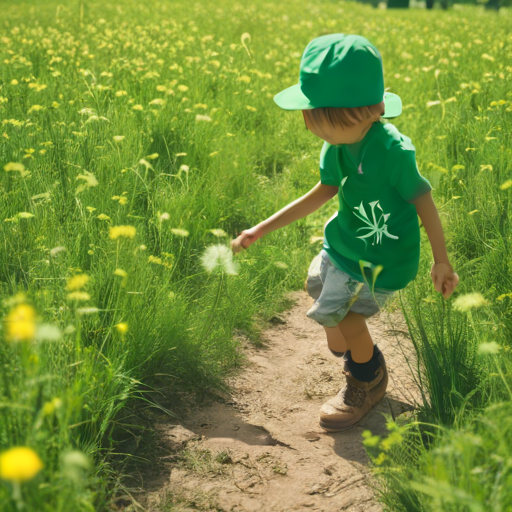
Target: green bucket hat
(340,70)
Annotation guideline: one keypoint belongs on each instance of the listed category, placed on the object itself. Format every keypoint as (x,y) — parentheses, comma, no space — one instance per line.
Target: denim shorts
(336,293)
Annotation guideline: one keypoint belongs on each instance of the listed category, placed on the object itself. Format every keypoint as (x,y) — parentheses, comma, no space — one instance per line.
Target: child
(372,244)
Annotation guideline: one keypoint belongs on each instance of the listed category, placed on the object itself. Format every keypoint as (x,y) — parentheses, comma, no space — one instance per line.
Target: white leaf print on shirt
(374,227)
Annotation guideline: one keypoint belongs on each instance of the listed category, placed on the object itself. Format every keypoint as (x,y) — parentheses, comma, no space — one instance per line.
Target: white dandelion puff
(468,301)
(219,256)
(56,250)
(490,347)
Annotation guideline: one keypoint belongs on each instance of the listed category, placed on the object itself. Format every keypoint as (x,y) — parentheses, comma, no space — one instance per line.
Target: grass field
(138,137)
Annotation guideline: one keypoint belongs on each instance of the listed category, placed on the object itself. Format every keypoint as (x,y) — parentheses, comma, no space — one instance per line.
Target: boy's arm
(444,278)
(300,208)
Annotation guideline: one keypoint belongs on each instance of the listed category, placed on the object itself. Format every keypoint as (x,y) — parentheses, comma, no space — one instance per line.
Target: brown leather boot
(354,400)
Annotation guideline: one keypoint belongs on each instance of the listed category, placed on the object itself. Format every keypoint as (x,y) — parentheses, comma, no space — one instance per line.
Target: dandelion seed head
(56,250)
(468,301)
(179,232)
(490,347)
(219,256)
(200,117)
(164,216)
(218,232)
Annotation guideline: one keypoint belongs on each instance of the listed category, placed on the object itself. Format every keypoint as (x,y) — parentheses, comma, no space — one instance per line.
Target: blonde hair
(341,117)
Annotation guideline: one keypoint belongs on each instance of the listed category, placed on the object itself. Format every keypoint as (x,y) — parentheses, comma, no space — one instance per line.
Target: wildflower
(87,311)
(118,138)
(486,167)
(19,464)
(179,232)
(78,296)
(200,117)
(120,272)
(280,264)
(161,88)
(25,215)
(506,184)
(35,108)
(472,212)
(12,166)
(244,78)
(181,154)
(157,101)
(122,328)
(490,347)
(218,232)
(77,282)
(503,295)
(468,301)
(200,105)
(74,463)
(184,168)
(48,332)
(182,88)
(488,57)
(152,156)
(56,250)
(121,93)
(218,256)
(164,216)
(90,209)
(214,153)
(49,407)
(102,216)
(252,109)
(55,104)
(137,107)
(126,231)
(89,181)
(20,323)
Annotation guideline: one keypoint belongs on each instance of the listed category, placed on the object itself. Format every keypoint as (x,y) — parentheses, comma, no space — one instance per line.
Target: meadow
(138,138)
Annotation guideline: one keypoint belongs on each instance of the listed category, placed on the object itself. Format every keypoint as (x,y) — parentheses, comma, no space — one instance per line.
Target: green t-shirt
(377,223)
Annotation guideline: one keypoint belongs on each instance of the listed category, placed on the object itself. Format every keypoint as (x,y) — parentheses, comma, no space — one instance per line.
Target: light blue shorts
(336,293)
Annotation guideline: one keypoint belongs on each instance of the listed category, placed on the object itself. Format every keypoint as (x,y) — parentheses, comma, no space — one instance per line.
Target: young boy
(372,244)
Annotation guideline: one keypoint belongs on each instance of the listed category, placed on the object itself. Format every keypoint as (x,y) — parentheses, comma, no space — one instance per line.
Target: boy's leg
(335,340)
(357,337)
(367,377)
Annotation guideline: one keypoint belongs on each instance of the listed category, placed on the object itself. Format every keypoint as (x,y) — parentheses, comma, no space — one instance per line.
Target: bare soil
(261,448)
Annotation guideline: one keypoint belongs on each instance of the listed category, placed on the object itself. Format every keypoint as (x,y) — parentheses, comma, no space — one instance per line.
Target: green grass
(61,66)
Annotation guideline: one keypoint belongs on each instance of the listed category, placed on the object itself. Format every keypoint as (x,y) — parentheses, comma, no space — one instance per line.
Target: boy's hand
(444,278)
(245,238)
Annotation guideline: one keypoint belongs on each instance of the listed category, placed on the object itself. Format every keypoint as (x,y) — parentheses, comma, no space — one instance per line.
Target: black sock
(365,372)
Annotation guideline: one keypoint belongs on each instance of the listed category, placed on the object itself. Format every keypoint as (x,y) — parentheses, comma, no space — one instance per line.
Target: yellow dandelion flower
(90,208)
(182,88)
(122,231)
(55,104)
(473,211)
(19,464)
(12,166)
(200,117)
(21,323)
(503,295)
(137,107)
(25,215)
(244,78)
(486,167)
(102,216)
(214,153)
(506,184)
(181,154)
(157,101)
(179,232)
(121,93)
(77,282)
(152,156)
(122,328)
(161,88)
(200,105)
(118,138)
(120,272)
(14,81)
(78,296)
(154,259)
(488,57)
(468,301)
(35,108)
(252,109)
(123,200)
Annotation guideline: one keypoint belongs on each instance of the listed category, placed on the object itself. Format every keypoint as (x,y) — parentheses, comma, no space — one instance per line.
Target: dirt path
(261,450)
